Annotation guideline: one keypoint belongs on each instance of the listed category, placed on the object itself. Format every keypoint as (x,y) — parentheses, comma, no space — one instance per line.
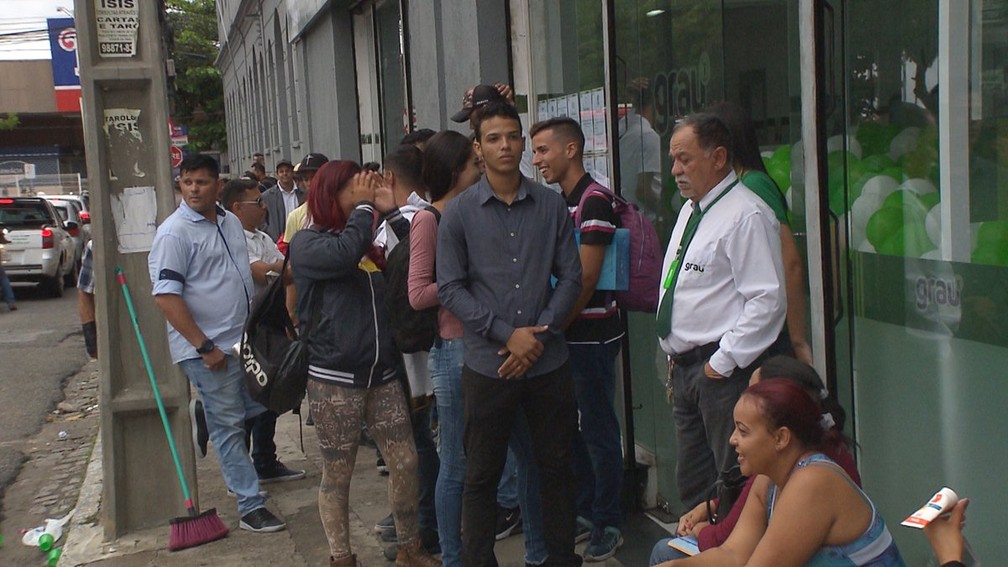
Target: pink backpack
(645,252)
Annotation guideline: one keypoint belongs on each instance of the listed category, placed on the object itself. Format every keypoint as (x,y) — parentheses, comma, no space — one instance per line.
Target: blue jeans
(8,291)
(227,405)
(507,487)
(446,375)
(598,453)
(529,498)
(661,552)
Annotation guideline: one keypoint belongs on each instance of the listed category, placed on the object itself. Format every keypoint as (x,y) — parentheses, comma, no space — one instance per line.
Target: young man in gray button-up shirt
(498,245)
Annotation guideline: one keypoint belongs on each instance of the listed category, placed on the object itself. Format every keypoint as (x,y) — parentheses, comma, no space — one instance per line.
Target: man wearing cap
(480,96)
(281,200)
(298,218)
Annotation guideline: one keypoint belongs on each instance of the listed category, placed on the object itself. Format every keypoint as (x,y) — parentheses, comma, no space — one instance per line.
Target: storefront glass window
(921,178)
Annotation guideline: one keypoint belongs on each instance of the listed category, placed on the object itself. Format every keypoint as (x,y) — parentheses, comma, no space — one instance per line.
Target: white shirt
(261,248)
(289,198)
(730,289)
(640,152)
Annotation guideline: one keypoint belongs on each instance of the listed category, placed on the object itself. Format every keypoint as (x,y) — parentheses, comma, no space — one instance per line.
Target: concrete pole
(125,116)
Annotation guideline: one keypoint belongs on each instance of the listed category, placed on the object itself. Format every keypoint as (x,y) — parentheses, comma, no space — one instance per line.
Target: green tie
(663,323)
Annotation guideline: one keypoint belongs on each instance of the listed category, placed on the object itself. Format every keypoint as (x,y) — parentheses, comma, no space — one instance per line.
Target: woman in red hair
(354,370)
(803,509)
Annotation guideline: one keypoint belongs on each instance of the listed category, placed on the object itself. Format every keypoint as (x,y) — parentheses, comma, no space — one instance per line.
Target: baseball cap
(310,162)
(478,96)
(284,161)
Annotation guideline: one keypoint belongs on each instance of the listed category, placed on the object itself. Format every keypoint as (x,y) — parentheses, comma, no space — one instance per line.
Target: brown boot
(414,555)
(348,561)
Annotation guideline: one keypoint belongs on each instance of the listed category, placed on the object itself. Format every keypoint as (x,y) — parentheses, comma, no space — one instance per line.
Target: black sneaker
(509,522)
(385,525)
(200,435)
(381,466)
(583,530)
(261,520)
(279,473)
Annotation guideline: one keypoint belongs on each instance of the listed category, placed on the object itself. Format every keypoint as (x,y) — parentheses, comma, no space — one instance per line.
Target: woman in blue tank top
(803,510)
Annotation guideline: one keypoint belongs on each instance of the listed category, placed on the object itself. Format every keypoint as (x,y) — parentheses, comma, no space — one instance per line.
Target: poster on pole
(125,141)
(134,212)
(116,24)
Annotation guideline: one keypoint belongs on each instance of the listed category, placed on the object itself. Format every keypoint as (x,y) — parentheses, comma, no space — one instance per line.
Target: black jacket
(351,342)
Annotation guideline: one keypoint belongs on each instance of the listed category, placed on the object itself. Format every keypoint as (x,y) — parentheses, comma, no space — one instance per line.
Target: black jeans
(428,465)
(489,409)
(260,430)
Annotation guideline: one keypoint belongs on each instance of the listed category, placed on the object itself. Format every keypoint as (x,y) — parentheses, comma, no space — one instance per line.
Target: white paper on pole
(135,214)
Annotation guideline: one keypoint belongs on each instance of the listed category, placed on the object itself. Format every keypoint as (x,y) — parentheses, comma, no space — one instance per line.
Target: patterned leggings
(338,412)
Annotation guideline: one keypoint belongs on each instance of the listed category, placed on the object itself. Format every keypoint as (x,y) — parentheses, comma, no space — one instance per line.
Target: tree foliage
(9,121)
(199,91)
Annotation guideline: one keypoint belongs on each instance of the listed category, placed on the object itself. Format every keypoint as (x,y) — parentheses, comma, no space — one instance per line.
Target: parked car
(81,202)
(41,249)
(68,211)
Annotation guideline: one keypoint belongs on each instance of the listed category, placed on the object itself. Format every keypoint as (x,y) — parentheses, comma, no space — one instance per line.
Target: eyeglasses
(258,202)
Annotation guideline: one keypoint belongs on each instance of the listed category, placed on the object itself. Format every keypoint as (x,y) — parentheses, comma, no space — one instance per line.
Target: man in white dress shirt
(722,301)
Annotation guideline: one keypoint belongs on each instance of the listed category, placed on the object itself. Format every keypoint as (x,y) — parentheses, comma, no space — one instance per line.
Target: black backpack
(412,330)
(273,355)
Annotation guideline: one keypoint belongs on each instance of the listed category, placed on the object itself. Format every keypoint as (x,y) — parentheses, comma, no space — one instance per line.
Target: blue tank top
(874,548)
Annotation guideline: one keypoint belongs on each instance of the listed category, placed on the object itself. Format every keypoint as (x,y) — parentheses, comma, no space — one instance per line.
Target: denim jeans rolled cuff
(8,291)
(227,405)
(446,377)
(598,451)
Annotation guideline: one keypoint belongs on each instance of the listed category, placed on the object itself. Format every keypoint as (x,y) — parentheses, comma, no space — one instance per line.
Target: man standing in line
(722,303)
(498,244)
(593,332)
(242,198)
(199,269)
(281,200)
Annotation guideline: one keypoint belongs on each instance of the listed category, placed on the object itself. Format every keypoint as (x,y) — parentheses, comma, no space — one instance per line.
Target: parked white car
(40,248)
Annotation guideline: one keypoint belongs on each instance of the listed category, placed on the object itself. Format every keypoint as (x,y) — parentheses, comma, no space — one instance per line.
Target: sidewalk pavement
(303,543)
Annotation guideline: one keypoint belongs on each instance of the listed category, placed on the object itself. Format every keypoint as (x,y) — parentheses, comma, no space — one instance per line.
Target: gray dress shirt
(494,263)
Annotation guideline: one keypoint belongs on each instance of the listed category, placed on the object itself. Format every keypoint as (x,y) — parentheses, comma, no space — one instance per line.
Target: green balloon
(877,163)
(896,172)
(929,200)
(883,224)
(993,232)
(875,137)
(910,240)
(991,254)
(912,206)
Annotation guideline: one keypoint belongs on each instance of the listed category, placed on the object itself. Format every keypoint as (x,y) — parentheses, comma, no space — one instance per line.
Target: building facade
(885,123)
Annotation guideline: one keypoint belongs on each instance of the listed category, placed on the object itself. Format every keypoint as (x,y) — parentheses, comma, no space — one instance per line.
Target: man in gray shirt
(498,244)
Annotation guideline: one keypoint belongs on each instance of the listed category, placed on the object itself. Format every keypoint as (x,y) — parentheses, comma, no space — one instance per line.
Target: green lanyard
(687,237)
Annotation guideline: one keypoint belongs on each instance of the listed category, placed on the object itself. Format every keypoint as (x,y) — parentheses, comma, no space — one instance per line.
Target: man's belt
(691,357)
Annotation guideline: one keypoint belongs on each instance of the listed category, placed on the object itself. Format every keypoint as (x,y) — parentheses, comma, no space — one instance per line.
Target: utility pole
(121,46)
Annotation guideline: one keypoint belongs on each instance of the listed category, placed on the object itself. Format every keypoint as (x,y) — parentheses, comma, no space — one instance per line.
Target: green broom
(194,529)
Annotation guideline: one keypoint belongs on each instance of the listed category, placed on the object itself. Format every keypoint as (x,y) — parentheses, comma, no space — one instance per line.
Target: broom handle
(157,395)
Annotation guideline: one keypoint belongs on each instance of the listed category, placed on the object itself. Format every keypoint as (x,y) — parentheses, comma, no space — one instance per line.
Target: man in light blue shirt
(199,269)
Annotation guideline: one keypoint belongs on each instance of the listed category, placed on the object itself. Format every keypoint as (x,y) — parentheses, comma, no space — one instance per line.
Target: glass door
(671,59)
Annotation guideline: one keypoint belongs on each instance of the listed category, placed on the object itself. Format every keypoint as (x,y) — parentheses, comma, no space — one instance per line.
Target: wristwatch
(206,348)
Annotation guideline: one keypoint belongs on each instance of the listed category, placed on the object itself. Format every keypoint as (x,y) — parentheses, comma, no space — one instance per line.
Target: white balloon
(919,186)
(866,247)
(880,185)
(934,254)
(863,208)
(903,142)
(835,143)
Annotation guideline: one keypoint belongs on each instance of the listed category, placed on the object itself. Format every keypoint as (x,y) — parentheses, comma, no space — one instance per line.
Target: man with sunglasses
(241,197)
